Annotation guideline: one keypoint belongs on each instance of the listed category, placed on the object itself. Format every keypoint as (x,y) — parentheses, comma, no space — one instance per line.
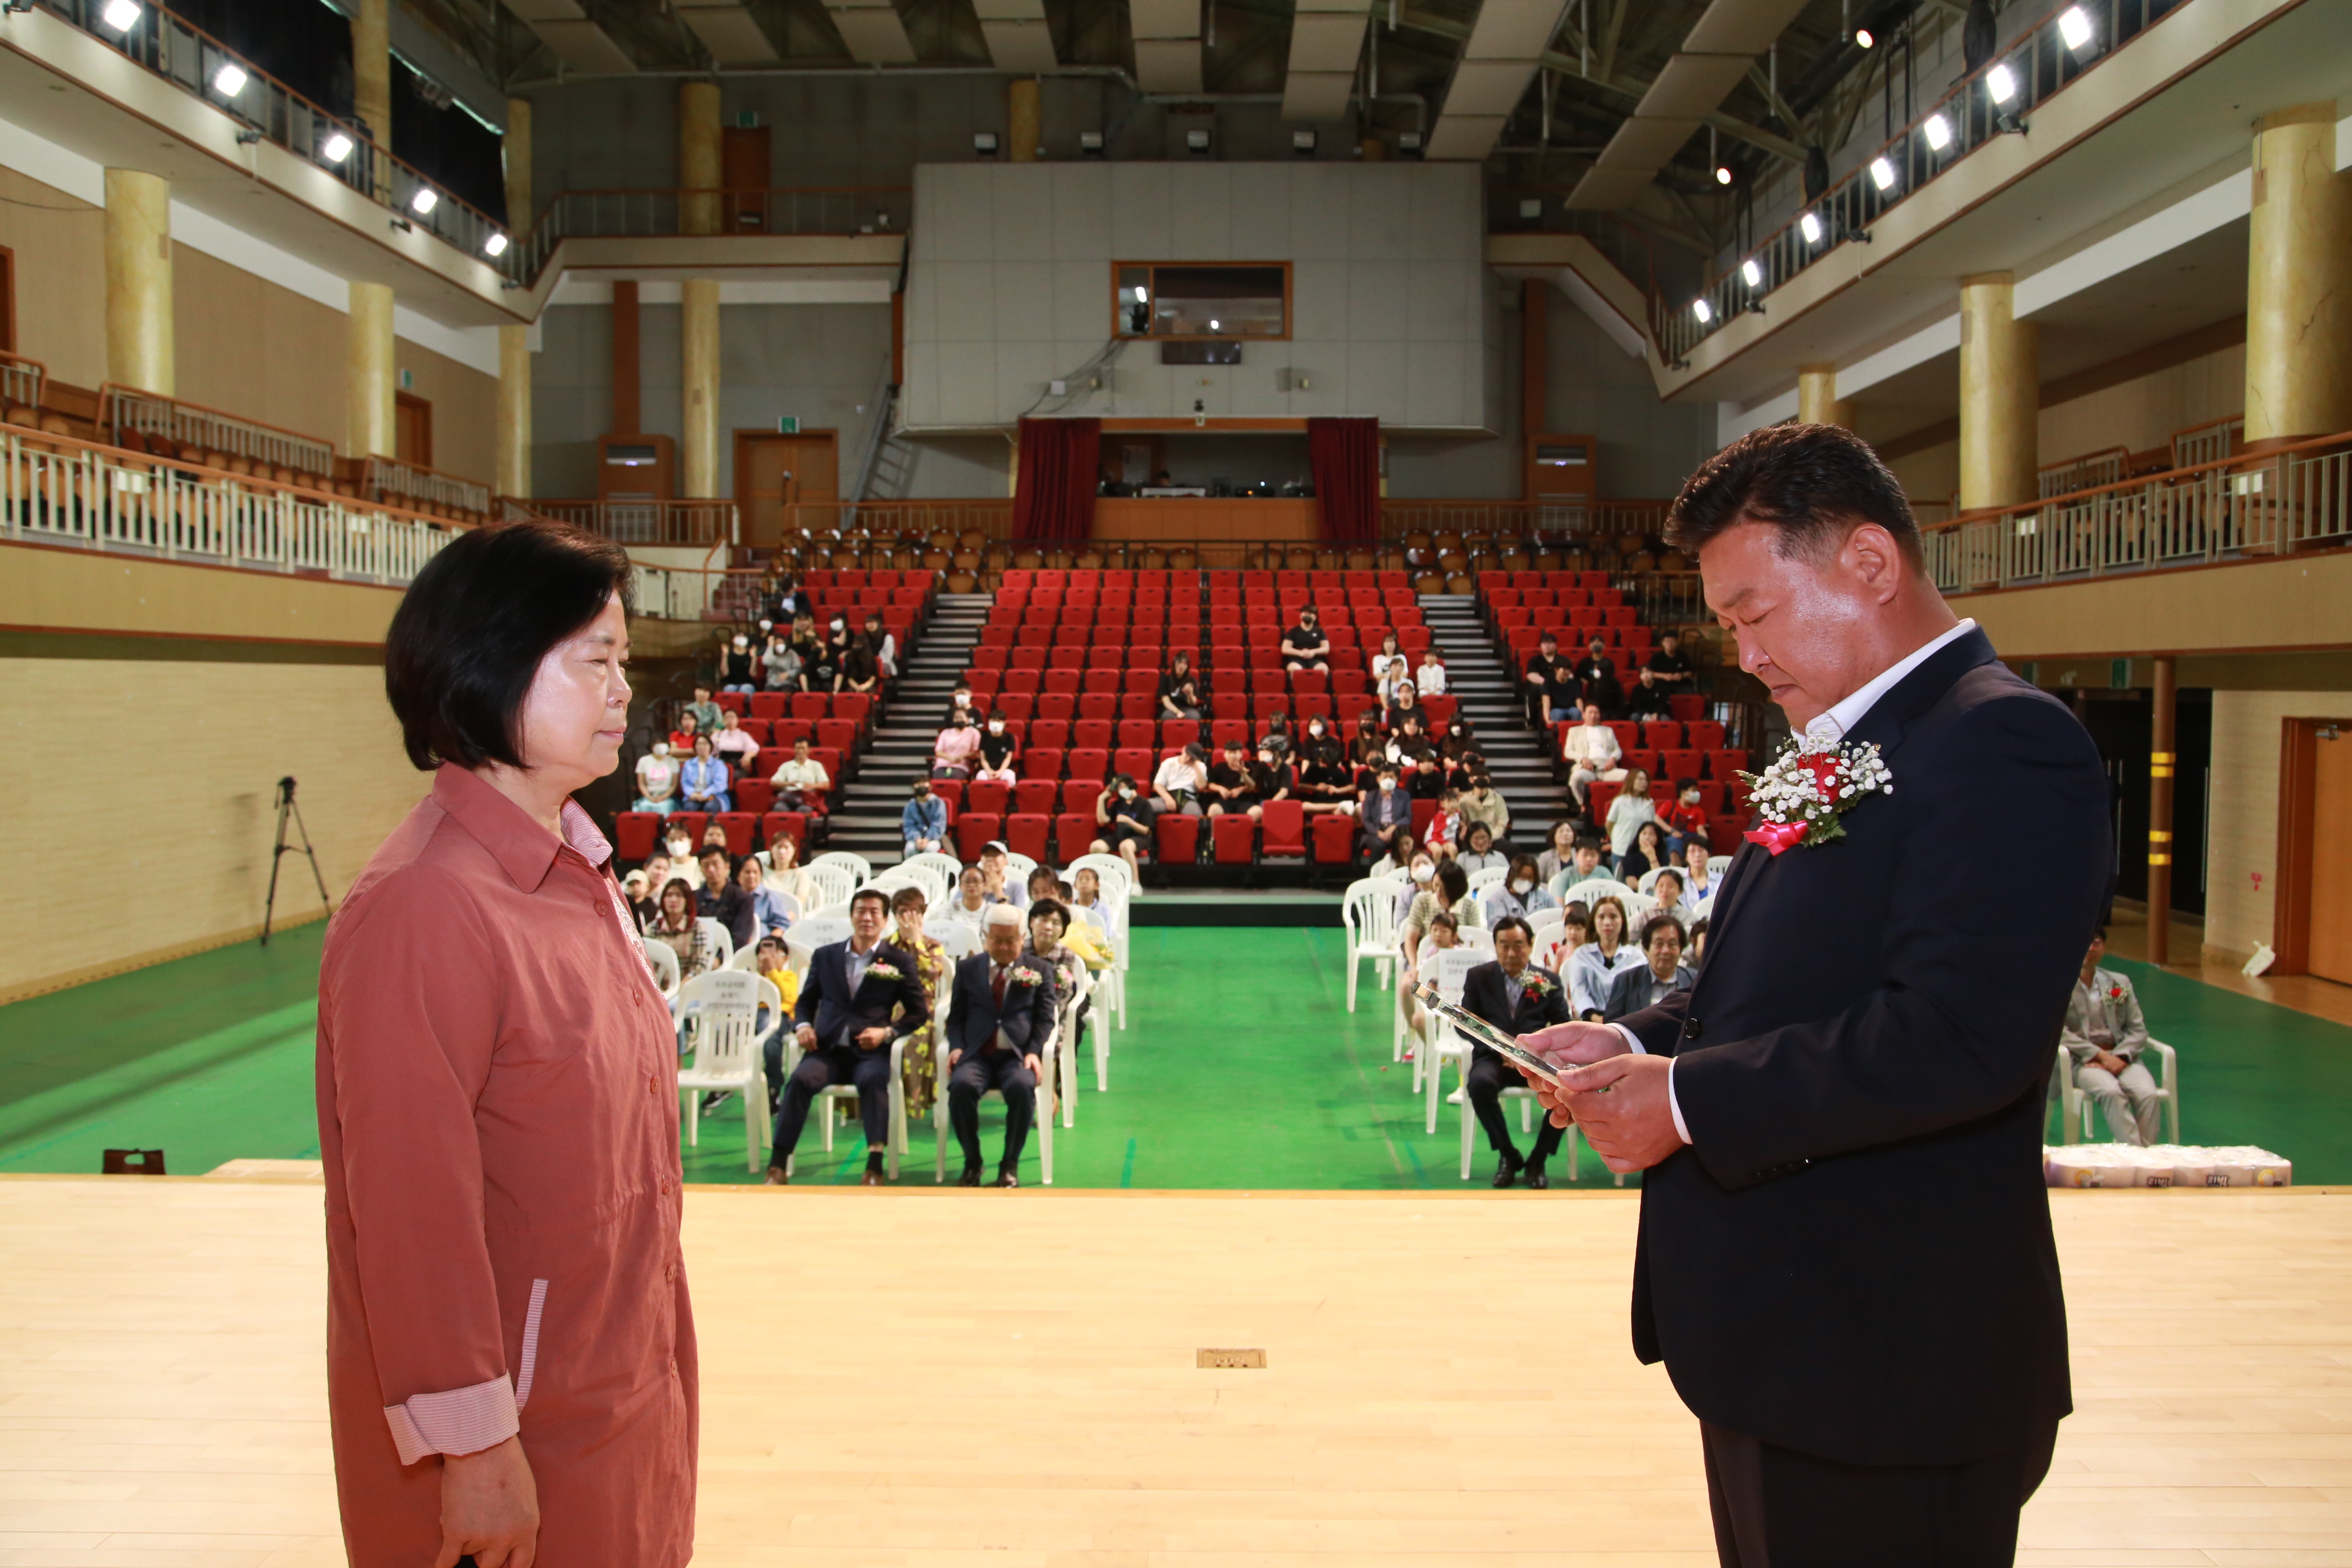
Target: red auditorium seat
(1089,762)
(1334,837)
(739,826)
(633,833)
(1423,811)
(1075,794)
(1228,731)
(754,795)
(733,702)
(952,792)
(1074,833)
(1682,762)
(1061,682)
(1137,706)
(1628,733)
(1442,707)
(1056,705)
(1105,679)
(1032,795)
(1137,763)
(1284,822)
(1687,706)
(1043,762)
(1178,733)
(1597,794)
(1100,706)
(1725,762)
(1234,837)
(1053,733)
(1662,734)
(791,824)
(1229,704)
(1175,840)
(787,731)
(1726,833)
(991,797)
(1137,732)
(811,705)
(1091,735)
(1025,834)
(1268,704)
(1643,758)
(1024,681)
(853,706)
(1705,734)
(770,705)
(973,830)
(1140,679)
(1014,704)
(838,735)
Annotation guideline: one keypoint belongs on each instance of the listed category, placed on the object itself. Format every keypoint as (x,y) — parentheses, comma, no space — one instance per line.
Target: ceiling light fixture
(1861,38)
(1810,228)
(2002,83)
(121,15)
(1703,310)
(2075,27)
(1881,174)
(336,147)
(425,199)
(1938,131)
(984,143)
(1722,174)
(496,245)
(230,80)
(1751,274)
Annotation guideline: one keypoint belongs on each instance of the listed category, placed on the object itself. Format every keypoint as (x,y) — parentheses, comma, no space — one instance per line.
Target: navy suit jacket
(827,1005)
(1482,994)
(1853,1258)
(973,1017)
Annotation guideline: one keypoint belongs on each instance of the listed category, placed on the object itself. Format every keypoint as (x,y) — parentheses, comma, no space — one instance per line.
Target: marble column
(2001,396)
(371,374)
(1023,134)
(697,156)
(139,281)
(2298,329)
(514,412)
(699,337)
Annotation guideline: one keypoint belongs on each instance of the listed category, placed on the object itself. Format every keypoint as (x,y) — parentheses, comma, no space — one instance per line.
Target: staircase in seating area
(1519,757)
(864,819)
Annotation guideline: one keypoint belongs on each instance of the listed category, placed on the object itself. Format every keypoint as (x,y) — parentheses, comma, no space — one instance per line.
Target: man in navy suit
(1517,999)
(1845,1259)
(843,1021)
(1002,1011)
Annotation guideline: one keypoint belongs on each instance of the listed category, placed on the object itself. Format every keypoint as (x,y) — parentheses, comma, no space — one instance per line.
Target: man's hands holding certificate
(1616,1096)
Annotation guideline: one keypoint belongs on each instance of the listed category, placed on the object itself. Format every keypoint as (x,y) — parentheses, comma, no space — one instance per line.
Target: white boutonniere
(882,971)
(1808,787)
(1025,976)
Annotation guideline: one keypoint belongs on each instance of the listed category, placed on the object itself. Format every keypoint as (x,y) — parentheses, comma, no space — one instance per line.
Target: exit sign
(787,424)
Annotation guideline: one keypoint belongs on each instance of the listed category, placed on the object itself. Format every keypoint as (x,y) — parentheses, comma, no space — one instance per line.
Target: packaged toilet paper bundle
(2164,1165)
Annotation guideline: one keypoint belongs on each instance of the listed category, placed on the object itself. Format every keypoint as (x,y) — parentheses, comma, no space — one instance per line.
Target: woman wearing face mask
(808,648)
(1278,738)
(1123,821)
(1369,749)
(1318,744)
(1522,893)
(737,666)
(657,780)
(1325,781)
(1421,873)
(780,663)
(957,748)
(997,749)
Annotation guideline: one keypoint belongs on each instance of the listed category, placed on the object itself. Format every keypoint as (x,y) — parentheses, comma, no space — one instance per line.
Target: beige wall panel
(464,411)
(2242,847)
(60,277)
(82,590)
(251,348)
(2294,603)
(2145,412)
(195,831)
(1931,475)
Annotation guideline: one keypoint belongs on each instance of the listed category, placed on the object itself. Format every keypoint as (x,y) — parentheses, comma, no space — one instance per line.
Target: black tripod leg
(316,875)
(276,853)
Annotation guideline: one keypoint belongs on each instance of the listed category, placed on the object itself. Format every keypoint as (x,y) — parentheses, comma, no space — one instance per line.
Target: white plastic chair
(1437,1043)
(2077,1112)
(823,1103)
(1017,869)
(1109,987)
(1369,914)
(1050,1053)
(858,865)
(1122,889)
(663,961)
(1066,1059)
(820,930)
(909,874)
(947,869)
(833,880)
(958,938)
(721,1011)
(1474,939)
(1487,880)
(1717,864)
(722,942)
(746,960)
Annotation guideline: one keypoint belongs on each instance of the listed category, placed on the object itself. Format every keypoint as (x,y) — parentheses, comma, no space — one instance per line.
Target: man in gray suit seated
(2105,1034)
(1002,1012)
(1647,985)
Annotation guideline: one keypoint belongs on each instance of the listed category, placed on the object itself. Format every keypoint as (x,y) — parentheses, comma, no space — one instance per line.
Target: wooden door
(2331,853)
(412,426)
(744,171)
(782,481)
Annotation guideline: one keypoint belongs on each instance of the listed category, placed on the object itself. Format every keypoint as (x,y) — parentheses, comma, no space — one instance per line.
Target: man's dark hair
(1657,923)
(1050,907)
(1815,483)
(1512,922)
(1682,784)
(470,632)
(876,894)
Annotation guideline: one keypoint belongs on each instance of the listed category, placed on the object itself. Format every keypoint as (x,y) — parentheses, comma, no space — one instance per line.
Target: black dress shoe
(1506,1173)
(1537,1179)
(872,1179)
(971,1177)
(1007,1179)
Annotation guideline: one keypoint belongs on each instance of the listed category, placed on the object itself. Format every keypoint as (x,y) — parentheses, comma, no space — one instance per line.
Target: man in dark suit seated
(1517,999)
(844,1025)
(1002,1011)
(1647,985)
(1845,1257)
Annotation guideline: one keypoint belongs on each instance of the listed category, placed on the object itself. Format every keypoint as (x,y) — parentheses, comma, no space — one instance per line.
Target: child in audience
(996,750)
(1431,675)
(1444,834)
(1445,931)
(1575,931)
(1089,896)
(971,899)
(1684,817)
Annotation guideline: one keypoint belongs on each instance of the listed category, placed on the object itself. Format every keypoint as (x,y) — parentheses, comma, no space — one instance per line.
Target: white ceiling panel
(1487,87)
(1693,87)
(1464,137)
(1325,41)
(1646,144)
(730,34)
(1021,47)
(1513,29)
(1741,27)
(1317,97)
(584,47)
(1168,65)
(874,35)
(1165,19)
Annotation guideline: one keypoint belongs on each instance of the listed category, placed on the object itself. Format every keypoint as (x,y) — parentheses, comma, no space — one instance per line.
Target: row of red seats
(1143,679)
(1071,648)
(855,706)
(1525,642)
(1554,598)
(1623,616)
(823,577)
(776,736)
(1105,577)
(1098,706)
(1061,732)
(1084,617)
(1659,735)
(1285,833)
(1490,581)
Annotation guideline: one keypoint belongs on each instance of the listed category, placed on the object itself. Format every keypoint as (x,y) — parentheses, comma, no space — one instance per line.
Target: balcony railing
(387,479)
(648,522)
(2207,443)
(1522,519)
(126,408)
(55,489)
(21,380)
(267,109)
(2108,468)
(804,209)
(2048,57)
(2293,498)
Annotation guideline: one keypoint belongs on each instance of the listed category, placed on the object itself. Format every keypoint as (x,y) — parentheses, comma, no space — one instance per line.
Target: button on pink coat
(498,1110)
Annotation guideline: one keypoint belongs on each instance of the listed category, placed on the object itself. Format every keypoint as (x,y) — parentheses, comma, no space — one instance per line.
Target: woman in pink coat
(511,1360)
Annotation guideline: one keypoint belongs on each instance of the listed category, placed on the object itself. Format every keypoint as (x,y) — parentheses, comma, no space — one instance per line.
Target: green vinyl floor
(1241,1069)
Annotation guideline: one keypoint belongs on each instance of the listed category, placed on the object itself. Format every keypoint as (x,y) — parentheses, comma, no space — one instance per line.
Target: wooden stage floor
(933,1378)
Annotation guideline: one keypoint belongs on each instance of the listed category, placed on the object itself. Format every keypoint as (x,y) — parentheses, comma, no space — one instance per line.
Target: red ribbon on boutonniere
(1778,835)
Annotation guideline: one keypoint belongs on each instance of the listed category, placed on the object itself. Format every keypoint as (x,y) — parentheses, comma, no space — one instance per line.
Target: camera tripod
(286,807)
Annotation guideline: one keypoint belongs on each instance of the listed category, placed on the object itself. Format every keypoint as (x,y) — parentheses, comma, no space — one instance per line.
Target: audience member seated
(1002,1011)
(1591,751)
(633,887)
(1596,679)
(1482,802)
(1561,855)
(1182,782)
(737,667)
(1306,645)
(690,730)
(1670,892)
(657,873)
(722,898)
(1646,984)
(1385,816)
(1122,822)
(779,664)
(1431,676)
(1053,943)
(769,912)
(1550,683)
(1699,884)
(1517,1000)
(1089,896)
(1478,852)
(733,744)
(678,925)
(1522,893)
(1647,855)
(1236,784)
(706,712)
(1669,667)
(956,751)
(680,846)
(882,646)
(1419,868)
(1179,689)
(704,784)
(1326,783)
(1647,699)
(1388,653)
(657,780)
(997,749)
(1599,962)
(808,653)
(1369,748)
(838,640)
(971,901)
(785,873)
(1444,834)
(843,1018)
(918,1063)
(1684,818)
(1575,931)
(1697,942)
(1627,812)
(1399,695)
(995,863)
(923,822)
(860,670)
(2105,1034)
(1445,932)
(1447,892)
(801,783)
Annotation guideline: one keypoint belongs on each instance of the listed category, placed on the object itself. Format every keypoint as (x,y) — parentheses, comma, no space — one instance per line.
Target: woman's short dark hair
(1050,907)
(470,632)
(1453,882)
(1815,483)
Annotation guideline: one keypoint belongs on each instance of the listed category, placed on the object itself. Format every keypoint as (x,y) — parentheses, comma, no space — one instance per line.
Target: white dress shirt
(1833,724)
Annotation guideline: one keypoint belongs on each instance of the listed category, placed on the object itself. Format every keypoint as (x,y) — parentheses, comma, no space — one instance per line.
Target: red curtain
(1345,455)
(1053,494)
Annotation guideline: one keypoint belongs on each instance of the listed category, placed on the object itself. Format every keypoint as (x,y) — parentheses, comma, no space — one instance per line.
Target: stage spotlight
(1810,228)
(1722,175)
(1881,174)
(1703,310)
(121,15)
(496,245)
(336,147)
(1938,131)
(229,80)
(425,199)
(1751,274)
(2001,82)
(2074,26)
(1861,38)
